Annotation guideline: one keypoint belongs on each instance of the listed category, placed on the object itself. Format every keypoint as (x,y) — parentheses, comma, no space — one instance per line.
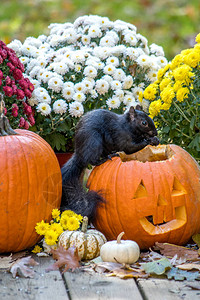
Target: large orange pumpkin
(30,187)
(152,195)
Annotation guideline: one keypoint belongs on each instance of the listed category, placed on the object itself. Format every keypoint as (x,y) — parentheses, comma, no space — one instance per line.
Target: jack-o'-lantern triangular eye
(177,189)
(141,191)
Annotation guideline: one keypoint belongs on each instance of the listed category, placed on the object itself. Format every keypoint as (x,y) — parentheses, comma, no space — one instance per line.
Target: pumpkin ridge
(116,166)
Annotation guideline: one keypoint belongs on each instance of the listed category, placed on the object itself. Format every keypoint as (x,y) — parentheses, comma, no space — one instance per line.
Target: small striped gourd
(88,242)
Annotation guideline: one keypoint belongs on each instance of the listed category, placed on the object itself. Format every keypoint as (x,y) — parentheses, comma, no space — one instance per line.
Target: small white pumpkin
(121,251)
(88,242)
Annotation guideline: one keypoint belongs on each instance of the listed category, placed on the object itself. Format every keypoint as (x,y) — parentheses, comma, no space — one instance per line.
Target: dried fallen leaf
(193,286)
(20,267)
(170,250)
(196,239)
(65,259)
(157,267)
(6,262)
(189,267)
(124,274)
(180,275)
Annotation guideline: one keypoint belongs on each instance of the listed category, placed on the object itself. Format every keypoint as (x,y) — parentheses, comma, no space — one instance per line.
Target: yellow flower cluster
(175,81)
(67,220)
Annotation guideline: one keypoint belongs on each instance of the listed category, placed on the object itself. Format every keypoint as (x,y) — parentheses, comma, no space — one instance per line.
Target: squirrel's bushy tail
(74,196)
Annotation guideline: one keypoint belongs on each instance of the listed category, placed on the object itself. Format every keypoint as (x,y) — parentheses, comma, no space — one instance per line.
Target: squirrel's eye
(144,123)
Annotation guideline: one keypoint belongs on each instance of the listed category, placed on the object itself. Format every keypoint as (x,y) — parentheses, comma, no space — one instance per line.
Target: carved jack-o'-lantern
(152,195)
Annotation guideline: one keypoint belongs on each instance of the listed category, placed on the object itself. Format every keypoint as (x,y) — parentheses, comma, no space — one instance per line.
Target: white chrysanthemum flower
(44,47)
(144,61)
(68,93)
(60,106)
(157,50)
(129,99)
(78,96)
(28,50)
(39,90)
(136,91)
(142,39)
(35,70)
(119,94)
(102,86)
(107,41)
(79,87)
(93,94)
(161,61)
(109,69)
(54,40)
(40,73)
(94,31)
(130,37)
(76,109)
(78,68)
(113,60)
(24,59)
(134,53)
(16,45)
(70,36)
(116,84)
(108,78)
(78,56)
(60,68)
(119,74)
(113,102)
(105,23)
(90,71)
(100,65)
(85,39)
(68,84)
(152,76)
(43,97)
(42,38)
(102,52)
(88,85)
(55,84)
(46,76)
(128,82)
(33,41)
(118,50)
(36,83)
(44,109)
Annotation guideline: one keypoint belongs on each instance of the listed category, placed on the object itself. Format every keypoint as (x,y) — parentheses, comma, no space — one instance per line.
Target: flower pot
(63,158)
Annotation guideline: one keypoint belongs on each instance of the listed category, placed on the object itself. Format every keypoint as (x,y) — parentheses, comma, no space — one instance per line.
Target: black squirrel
(99,135)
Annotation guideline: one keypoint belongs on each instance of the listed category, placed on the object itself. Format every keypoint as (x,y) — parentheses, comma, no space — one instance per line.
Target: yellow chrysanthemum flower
(176,61)
(57,228)
(79,217)
(160,74)
(154,108)
(167,94)
(37,249)
(140,97)
(55,213)
(183,73)
(51,237)
(64,220)
(164,83)
(150,92)
(166,106)
(73,223)
(182,94)
(68,213)
(198,38)
(192,59)
(41,227)
(177,85)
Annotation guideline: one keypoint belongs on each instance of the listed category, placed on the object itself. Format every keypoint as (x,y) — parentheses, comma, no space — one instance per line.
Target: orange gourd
(30,187)
(152,195)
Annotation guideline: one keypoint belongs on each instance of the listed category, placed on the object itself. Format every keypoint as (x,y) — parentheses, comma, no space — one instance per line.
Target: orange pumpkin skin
(30,187)
(152,201)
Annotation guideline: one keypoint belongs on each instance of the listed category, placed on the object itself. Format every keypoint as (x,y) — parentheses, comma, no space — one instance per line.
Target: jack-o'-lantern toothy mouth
(153,229)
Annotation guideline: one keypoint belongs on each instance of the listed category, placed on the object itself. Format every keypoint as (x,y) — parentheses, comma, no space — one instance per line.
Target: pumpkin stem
(5,128)
(119,237)
(84,224)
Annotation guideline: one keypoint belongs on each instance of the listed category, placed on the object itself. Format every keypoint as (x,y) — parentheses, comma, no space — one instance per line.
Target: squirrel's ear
(138,107)
(132,113)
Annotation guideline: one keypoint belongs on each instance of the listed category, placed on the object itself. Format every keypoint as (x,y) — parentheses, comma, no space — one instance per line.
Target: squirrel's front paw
(154,141)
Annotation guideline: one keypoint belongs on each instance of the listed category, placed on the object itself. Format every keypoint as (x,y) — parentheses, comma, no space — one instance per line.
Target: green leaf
(57,141)
(178,274)
(158,267)
(192,122)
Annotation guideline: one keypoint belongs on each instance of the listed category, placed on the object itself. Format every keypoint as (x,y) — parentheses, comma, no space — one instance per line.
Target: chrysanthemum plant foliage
(89,64)
(175,100)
